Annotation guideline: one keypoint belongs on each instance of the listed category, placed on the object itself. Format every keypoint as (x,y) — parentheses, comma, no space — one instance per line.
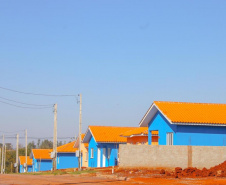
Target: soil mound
(217,171)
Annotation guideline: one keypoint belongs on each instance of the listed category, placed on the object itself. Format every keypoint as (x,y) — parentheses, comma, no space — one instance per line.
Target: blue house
(66,157)
(22,164)
(41,160)
(103,144)
(179,123)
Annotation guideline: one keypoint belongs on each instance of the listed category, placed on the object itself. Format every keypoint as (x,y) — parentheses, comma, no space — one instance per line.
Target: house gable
(161,124)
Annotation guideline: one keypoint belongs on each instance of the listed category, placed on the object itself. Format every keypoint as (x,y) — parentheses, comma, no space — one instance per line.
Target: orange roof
(181,112)
(23,160)
(136,131)
(42,153)
(86,145)
(69,147)
(109,133)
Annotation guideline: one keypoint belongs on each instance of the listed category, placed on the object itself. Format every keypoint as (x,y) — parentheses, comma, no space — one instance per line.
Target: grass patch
(81,172)
(58,172)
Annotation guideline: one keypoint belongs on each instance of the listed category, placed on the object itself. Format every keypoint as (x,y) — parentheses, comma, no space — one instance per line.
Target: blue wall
(187,134)
(66,160)
(22,169)
(41,165)
(112,161)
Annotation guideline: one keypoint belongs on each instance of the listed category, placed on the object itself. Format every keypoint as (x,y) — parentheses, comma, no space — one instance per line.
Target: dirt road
(87,180)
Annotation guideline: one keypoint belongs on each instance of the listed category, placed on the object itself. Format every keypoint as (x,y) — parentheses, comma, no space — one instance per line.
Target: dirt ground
(104,178)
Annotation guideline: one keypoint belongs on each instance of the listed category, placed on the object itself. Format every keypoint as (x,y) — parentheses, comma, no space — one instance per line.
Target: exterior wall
(187,134)
(66,160)
(41,165)
(84,153)
(171,156)
(22,169)
(137,140)
(111,161)
(92,161)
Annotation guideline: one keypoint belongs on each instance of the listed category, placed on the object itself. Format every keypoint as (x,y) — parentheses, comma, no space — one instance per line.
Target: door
(98,157)
(169,138)
(104,158)
(154,137)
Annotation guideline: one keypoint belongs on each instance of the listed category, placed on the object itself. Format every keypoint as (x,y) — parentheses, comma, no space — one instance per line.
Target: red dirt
(178,176)
(86,180)
(217,171)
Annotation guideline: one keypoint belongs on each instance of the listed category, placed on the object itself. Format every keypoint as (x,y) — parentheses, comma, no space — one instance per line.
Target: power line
(41,138)
(25,103)
(12,131)
(25,107)
(36,94)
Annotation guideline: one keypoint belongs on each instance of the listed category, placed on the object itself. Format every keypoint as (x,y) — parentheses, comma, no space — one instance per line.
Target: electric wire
(25,103)
(12,131)
(36,94)
(25,107)
(36,138)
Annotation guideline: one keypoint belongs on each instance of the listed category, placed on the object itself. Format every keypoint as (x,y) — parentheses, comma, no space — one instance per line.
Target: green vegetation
(58,172)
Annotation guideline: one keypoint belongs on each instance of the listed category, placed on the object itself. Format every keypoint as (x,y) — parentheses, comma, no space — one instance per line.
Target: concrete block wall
(170,156)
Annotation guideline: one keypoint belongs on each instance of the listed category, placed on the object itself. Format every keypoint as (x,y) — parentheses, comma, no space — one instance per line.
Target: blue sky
(121,55)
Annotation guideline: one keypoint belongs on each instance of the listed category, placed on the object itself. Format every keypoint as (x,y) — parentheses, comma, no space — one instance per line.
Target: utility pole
(17,152)
(80,128)
(0,158)
(3,144)
(26,150)
(4,159)
(55,138)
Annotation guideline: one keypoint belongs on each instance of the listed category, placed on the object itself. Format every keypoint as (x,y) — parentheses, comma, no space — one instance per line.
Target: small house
(103,144)
(182,123)
(41,160)
(66,157)
(84,150)
(137,136)
(23,164)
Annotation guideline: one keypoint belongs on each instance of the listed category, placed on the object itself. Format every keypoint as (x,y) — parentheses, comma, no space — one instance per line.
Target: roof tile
(181,112)
(69,147)
(109,133)
(42,153)
(23,160)
(136,131)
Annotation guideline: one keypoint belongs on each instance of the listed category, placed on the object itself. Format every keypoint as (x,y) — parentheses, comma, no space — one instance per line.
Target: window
(109,153)
(86,156)
(169,138)
(91,153)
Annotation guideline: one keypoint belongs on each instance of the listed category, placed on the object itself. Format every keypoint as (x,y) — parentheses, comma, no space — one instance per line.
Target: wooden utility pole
(3,144)
(55,137)
(4,159)
(0,158)
(17,152)
(26,150)
(80,128)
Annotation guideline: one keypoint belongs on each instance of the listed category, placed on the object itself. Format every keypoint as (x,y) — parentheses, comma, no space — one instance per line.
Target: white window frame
(87,156)
(109,153)
(91,153)
(169,138)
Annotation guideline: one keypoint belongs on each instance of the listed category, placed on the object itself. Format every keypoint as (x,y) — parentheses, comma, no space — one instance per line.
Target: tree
(30,146)
(46,144)
(59,143)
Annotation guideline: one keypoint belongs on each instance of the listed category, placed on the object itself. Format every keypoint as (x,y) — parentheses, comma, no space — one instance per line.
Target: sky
(121,55)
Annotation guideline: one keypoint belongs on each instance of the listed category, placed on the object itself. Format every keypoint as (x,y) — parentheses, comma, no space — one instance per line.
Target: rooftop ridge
(224,104)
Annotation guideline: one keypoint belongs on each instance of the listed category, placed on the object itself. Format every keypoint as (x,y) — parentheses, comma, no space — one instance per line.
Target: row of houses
(165,123)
